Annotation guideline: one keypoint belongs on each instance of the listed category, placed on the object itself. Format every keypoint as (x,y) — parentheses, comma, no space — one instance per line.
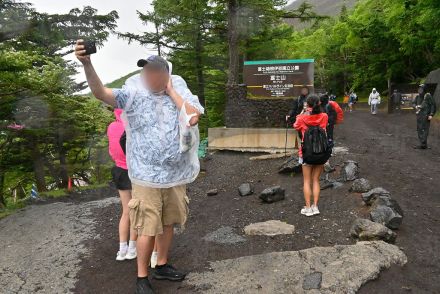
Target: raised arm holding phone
(159,170)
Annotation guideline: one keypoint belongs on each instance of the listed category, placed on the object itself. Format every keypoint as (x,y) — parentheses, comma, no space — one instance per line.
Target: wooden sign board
(278,79)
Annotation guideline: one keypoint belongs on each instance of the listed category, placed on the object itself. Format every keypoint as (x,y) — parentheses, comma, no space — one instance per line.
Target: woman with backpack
(315,151)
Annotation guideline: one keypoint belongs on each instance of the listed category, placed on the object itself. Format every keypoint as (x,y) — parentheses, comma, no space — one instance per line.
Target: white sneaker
(307,211)
(153,260)
(315,210)
(120,256)
(131,254)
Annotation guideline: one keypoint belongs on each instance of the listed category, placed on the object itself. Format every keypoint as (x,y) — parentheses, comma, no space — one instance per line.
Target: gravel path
(42,246)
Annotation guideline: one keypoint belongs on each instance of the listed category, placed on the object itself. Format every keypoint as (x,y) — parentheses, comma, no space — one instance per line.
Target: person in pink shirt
(120,177)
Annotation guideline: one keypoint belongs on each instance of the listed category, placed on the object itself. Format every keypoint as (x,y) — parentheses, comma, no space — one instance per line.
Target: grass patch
(4,213)
(91,187)
(54,193)
(63,192)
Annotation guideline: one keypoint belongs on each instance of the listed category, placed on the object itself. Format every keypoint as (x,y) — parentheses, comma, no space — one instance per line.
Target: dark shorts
(120,178)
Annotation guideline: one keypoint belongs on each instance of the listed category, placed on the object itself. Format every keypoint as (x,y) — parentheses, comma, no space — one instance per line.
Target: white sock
(132,245)
(123,247)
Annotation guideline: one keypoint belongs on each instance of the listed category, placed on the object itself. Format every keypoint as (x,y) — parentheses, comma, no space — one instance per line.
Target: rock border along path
(38,259)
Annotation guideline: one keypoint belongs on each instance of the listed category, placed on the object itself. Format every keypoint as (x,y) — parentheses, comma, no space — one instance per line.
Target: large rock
(272,194)
(350,171)
(386,216)
(245,189)
(387,201)
(360,186)
(338,269)
(269,228)
(366,230)
(290,166)
(371,195)
(224,235)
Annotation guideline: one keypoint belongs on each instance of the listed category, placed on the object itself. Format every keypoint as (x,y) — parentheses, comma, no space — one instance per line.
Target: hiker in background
(332,96)
(331,113)
(352,100)
(297,108)
(396,100)
(425,110)
(315,151)
(122,182)
(345,101)
(298,105)
(374,101)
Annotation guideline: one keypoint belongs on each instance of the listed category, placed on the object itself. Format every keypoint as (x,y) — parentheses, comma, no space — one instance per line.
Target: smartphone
(90,47)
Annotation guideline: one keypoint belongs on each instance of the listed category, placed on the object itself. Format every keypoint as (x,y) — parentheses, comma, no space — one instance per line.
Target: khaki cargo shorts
(153,208)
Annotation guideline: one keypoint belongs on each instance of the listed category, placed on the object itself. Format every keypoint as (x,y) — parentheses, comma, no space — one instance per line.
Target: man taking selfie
(158,169)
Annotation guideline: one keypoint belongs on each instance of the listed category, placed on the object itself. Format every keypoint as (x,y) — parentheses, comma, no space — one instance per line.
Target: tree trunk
(2,195)
(199,68)
(233,6)
(38,168)
(159,49)
(64,174)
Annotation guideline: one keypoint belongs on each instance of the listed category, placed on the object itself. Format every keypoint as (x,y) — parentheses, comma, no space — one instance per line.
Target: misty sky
(117,58)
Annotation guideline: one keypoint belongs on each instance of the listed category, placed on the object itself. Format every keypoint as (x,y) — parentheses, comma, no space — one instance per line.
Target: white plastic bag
(189,135)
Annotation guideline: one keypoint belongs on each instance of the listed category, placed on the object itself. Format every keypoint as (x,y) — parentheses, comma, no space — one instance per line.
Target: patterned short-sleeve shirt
(152,126)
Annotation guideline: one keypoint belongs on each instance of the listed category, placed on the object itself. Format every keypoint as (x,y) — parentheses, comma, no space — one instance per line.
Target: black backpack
(315,147)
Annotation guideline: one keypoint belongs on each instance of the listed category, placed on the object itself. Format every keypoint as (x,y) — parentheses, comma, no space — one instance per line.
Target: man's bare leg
(163,243)
(145,246)
(165,271)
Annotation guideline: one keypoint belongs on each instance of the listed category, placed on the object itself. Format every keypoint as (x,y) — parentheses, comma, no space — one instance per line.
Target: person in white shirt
(374,101)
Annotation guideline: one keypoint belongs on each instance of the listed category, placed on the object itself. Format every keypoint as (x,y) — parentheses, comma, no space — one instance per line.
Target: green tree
(41,120)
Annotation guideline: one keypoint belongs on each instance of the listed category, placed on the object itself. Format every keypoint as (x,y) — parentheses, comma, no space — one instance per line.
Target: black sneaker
(420,147)
(143,286)
(168,272)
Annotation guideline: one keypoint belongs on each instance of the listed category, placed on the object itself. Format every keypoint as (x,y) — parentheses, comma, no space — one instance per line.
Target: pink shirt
(114,133)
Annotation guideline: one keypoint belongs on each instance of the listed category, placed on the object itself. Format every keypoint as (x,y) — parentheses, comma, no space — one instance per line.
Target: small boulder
(360,186)
(269,228)
(272,194)
(290,166)
(391,203)
(328,168)
(386,216)
(325,184)
(245,189)
(337,185)
(312,281)
(350,171)
(212,192)
(371,195)
(366,230)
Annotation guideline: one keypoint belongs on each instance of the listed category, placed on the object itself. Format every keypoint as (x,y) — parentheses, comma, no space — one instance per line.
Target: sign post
(278,79)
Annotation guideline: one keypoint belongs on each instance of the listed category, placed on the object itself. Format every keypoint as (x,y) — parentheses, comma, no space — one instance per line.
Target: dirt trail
(86,241)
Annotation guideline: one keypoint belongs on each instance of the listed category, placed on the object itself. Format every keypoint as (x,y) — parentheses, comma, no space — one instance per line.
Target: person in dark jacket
(396,100)
(425,109)
(331,112)
(298,105)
